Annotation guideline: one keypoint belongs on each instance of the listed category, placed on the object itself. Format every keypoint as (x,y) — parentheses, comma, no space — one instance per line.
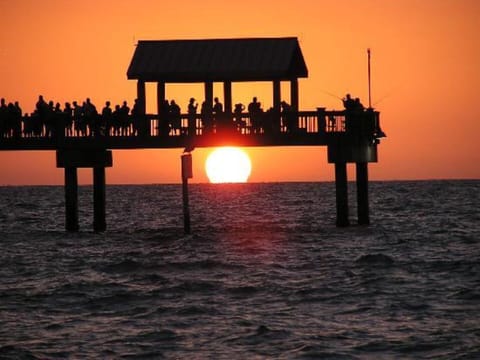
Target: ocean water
(265,274)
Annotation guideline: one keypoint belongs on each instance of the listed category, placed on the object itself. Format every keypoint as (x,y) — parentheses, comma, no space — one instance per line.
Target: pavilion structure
(218,60)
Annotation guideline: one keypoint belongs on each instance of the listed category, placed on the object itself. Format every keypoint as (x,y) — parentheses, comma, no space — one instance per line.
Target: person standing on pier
(192,117)
(206,114)
(175,118)
(124,119)
(17,123)
(90,114)
(254,111)
(136,118)
(217,113)
(107,118)
(78,121)
(41,108)
(288,118)
(239,122)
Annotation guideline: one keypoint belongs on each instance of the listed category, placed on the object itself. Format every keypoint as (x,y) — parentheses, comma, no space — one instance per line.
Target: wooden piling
(186,174)
(362,193)
(99,214)
(71,199)
(341,193)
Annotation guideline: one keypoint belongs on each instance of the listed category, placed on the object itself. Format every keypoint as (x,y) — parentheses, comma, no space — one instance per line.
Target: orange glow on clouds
(425,77)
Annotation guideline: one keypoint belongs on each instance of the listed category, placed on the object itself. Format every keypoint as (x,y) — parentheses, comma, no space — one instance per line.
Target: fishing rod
(332,95)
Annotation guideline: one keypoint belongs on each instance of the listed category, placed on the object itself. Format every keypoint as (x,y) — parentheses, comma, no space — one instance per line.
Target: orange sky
(425,76)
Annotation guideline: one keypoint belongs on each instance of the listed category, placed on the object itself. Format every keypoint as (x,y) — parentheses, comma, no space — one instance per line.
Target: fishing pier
(350,135)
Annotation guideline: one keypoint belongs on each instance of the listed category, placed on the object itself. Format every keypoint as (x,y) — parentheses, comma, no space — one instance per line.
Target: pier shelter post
(277,96)
(341,188)
(294,94)
(362,193)
(209,93)
(207,121)
(160,102)
(144,125)
(99,221)
(71,199)
(227,96)
(141,95)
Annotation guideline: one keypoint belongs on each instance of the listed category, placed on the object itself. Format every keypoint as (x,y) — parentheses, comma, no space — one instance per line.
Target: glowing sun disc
(228,165)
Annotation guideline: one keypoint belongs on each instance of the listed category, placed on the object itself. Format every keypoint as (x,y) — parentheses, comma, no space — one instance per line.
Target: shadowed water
(266,274)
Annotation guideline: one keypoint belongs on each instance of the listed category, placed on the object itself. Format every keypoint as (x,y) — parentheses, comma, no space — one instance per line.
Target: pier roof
(190,61)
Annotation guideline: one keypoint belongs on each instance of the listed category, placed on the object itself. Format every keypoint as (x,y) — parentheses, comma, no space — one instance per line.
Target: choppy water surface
(266,274)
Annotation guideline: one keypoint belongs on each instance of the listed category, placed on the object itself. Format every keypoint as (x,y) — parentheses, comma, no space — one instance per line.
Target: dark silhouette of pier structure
(351,136)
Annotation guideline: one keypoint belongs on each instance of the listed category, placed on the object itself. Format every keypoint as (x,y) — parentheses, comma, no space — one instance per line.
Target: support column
(207,117)
(209,93)
(71,199)
(141,95)
(186,174)
(99,222)
(161,126)
(362,193)
(294,94)
(143,122)
(341,193)
(276,96)
(227,97)
(160,96)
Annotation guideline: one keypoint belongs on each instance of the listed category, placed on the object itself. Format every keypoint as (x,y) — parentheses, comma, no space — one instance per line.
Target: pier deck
(86,139)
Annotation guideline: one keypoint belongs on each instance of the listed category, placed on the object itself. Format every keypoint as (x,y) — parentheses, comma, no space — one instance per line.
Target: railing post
(321,120)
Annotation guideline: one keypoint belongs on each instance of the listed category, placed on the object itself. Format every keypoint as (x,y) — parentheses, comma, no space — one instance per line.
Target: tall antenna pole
(369,83)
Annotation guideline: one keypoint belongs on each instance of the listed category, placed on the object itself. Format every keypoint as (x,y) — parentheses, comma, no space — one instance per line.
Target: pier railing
(313,125)
(302,122)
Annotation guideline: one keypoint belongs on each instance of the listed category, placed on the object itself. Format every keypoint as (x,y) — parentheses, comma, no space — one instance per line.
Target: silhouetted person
(217,106)
(90,116)
(58,120)
(117,121)
(288,117)
(217,111)
(237,112)
(254,111)
(41,108)
(107,117)
(9,123)
(17,120)
(348,102)
(164,119)
(68,118)
(353,113)
(207,121)
(78,120)
(137,114)
(49,119)
(270,122)
(192,117)
(175,117)
(3,117)
(124,119)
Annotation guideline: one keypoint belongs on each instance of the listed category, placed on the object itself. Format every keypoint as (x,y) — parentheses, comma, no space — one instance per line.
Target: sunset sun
(228,165)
